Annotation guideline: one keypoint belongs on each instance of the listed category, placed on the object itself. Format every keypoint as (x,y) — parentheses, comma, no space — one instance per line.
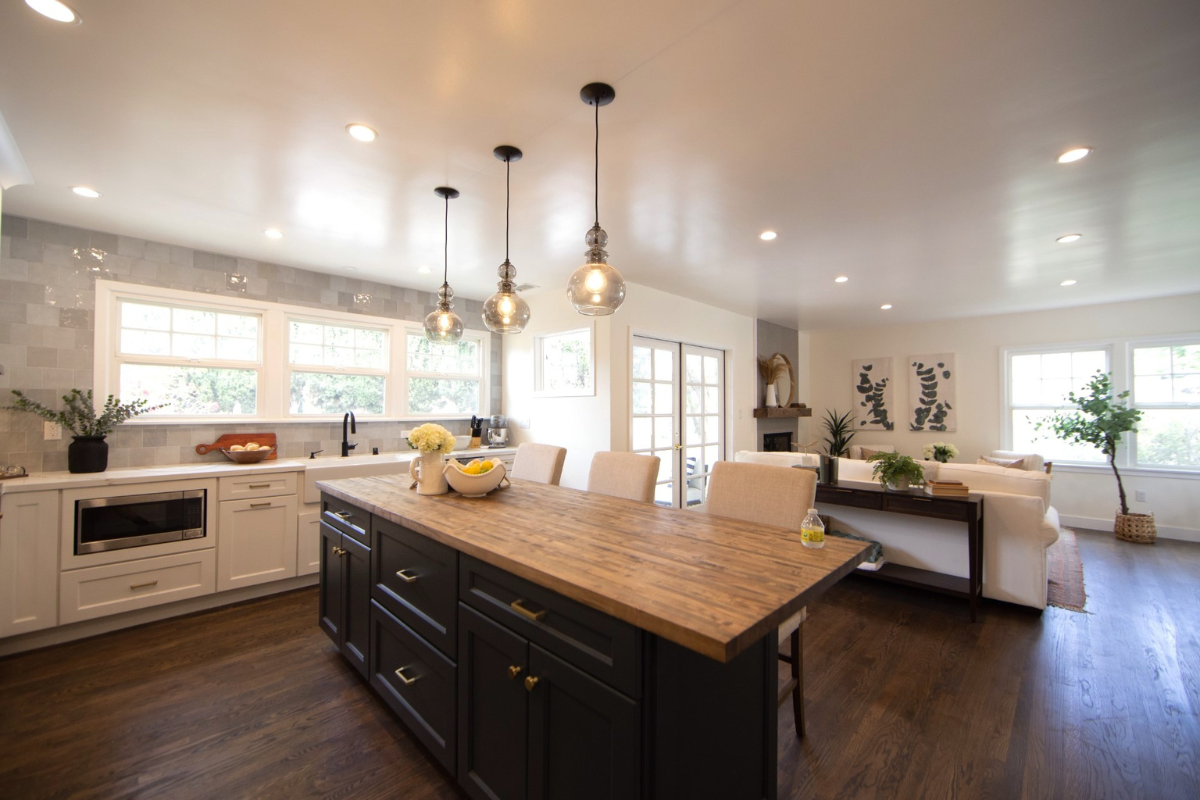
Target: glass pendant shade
(442,324)
(596,289)
(505,311)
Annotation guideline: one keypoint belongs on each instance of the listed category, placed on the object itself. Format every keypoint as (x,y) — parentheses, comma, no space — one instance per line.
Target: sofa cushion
(856,450)
(1032,461)
(777,459)
(987,478)
(1002,462)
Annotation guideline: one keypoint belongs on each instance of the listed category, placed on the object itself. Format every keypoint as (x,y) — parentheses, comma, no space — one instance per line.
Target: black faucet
(347,445)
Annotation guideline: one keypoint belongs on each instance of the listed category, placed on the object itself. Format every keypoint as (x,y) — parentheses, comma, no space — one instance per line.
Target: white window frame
(1135,344)
(320,319)
(539,383)
(483,375)
(274,370)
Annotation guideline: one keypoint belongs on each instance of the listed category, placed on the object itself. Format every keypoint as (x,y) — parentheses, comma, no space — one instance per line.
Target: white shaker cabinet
(308,548)
(257,541)
(28,562)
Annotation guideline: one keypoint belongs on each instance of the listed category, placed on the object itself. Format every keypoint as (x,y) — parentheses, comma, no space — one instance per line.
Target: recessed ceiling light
(273,233)
(1070,237)
(1074,155)
(1069,282)
(840,279)
(767,236)
(886,306)
(59,12)
(84,191)
(363,133)
(424,269)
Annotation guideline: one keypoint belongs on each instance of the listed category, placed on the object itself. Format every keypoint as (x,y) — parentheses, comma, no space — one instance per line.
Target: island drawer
(928,507)
(849,497)
(416,579)
(346,518)
(605,648)
(416,681)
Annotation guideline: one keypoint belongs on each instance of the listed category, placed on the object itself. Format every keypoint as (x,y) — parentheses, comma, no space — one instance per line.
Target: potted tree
(88,452)
(896,472)
(1100,421)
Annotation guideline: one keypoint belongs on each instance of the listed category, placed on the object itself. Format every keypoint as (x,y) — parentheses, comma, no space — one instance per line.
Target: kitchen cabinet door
(308,543)
(492,708)
(356,578)
(29,562)
(256,541)
(332,592)
(584,738)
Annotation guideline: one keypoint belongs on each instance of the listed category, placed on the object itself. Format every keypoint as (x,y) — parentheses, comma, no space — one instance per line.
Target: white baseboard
(1164,531)
(94,627)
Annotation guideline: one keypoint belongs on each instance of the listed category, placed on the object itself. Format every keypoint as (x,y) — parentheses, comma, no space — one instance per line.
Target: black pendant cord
(507,202)
(597,161)
(446,246)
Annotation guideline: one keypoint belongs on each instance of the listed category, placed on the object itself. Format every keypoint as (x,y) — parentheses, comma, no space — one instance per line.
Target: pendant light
(443,325)
(596,289)
(505,311)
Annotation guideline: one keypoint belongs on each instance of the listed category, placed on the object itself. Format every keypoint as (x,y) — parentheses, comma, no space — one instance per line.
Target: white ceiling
(910,146)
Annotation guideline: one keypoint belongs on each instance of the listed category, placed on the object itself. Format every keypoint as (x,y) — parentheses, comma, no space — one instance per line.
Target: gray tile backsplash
(47,303)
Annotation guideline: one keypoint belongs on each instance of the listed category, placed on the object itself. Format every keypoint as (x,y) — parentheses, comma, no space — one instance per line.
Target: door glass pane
(695,430)
(664,465)
(694,404)
(712,429)
(642,433)
(663,398)
(695,461)
(663,495)
(711,367)
(641,363)
(694,374)
(641,397)
(712,454)
(664,432)
(664,366)
(712,399)
(697,488)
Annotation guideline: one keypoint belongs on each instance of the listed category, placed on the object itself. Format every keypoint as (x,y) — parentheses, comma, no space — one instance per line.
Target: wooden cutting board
(230,439)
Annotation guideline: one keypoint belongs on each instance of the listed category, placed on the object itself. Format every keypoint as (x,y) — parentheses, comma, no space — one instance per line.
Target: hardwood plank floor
(905,699)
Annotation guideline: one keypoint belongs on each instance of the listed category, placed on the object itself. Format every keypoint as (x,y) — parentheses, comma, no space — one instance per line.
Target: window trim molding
(273,389)
(538,377)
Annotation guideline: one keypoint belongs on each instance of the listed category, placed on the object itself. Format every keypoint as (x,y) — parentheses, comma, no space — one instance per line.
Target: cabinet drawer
(927,507)
(848,497)
(416,681)
(244,486)
(604,647)
(416,579)
(113,588)
(346,518)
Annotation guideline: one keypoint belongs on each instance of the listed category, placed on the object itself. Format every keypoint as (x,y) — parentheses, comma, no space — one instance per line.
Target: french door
(677,412)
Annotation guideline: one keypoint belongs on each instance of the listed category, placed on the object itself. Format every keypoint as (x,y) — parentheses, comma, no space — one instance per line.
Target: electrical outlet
(1139,496)
(523,422)
(405,434)
(52,431)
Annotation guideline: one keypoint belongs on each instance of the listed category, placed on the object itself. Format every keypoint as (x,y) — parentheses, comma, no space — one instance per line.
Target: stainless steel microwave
(114,523)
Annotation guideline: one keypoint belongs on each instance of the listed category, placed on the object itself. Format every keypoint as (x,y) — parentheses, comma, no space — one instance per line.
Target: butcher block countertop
(711,584)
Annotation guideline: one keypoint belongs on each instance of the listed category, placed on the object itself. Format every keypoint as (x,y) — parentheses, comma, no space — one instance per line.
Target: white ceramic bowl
(474,485)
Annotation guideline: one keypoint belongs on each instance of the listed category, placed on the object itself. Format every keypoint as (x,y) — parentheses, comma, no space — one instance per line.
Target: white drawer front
(308,543)
(269,485)
(113,588)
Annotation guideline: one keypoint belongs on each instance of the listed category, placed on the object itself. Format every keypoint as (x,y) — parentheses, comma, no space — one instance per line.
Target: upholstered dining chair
(627,475)
(541,463)
(769,495)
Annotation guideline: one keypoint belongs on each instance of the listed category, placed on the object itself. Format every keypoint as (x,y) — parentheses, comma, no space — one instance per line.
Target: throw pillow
(867,452)
(1002,462)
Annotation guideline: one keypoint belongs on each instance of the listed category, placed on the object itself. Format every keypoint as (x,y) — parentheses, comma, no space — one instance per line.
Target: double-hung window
(444,379)
(201,361)
(1166,387)
(1037,387)
(334,368)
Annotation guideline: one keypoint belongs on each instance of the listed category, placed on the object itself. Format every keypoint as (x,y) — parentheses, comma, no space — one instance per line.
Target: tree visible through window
(564,363)
(1166,387)
(444,378)
(336,368)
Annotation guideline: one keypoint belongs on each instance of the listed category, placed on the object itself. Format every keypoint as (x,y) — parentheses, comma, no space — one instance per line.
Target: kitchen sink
(334,467)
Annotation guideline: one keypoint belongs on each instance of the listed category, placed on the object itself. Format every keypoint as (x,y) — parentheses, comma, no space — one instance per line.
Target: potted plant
(839,430)
(1100,421)
(896,472)
(941,452)
(88,452)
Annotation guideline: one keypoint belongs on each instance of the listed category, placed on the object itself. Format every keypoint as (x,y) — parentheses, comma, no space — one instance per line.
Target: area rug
(1064,569)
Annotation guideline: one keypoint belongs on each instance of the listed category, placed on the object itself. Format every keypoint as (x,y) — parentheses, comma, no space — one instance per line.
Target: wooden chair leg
(797,664)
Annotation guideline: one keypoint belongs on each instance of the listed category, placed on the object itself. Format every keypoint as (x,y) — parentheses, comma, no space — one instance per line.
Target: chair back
(627,475)
(541,463)
(761,494)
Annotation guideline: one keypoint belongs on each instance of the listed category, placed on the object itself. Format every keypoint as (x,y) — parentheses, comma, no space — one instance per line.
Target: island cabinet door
(356,578)
(332,591)
(584,738)
(492,709)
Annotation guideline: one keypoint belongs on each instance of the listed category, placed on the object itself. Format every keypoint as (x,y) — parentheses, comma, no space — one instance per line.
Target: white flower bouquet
(431,438)
(941,451)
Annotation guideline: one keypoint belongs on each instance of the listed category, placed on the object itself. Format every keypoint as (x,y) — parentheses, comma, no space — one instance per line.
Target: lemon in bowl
(476,478)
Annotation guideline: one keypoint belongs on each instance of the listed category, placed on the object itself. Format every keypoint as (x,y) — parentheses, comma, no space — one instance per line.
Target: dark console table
(917,503)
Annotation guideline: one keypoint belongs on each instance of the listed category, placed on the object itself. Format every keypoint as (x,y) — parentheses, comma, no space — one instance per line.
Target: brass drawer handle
(406,576)
(339,551)
(536,616)
(513,672)
(342,514)
(260,486)
(407,681)
(260,505)
(133,586)
(530,683)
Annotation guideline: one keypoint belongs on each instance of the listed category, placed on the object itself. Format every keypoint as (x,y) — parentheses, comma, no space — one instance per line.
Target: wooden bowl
(248,456)
(474,485)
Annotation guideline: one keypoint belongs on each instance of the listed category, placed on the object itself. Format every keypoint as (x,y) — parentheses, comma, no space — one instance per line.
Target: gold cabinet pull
(339,551)
(407,681)
(133,586)
(260,505)
(260,486)
(406,576)
(530,683)
(513,672)
(518,606)
(341,514)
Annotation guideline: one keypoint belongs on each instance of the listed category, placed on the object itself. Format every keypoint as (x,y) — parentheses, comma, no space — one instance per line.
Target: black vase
(87,454)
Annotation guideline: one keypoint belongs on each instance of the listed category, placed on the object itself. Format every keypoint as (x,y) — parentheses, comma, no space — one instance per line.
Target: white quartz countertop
(46,481)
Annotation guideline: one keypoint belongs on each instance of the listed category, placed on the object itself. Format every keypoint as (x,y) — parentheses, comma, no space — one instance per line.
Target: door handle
(406,576)
(530,683)
(407,681)
(513,672)
(339,551)
(678,447)
(537,616)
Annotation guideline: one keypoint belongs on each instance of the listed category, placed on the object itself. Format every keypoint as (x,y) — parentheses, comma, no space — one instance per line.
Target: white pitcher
(428,470)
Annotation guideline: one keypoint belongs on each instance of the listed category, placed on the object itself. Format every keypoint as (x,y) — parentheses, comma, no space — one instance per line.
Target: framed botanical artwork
(931,400)
(873,388)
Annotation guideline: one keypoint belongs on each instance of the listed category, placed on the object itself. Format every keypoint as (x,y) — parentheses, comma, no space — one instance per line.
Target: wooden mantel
(782,413)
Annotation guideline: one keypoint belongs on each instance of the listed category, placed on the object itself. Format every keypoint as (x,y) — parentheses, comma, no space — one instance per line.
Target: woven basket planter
(1137,528)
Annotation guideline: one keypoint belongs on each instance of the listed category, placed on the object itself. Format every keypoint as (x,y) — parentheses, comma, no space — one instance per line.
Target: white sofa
(777,459)
(1019,524)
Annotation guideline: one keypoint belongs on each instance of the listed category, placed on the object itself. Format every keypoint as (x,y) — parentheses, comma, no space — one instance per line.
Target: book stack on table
(947,488)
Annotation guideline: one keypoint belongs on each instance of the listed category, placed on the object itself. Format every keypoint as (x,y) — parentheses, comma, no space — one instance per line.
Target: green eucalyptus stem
(78,413)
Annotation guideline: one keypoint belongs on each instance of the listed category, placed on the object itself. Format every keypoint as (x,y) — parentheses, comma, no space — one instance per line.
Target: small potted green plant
(940,452)
(839,430)
(88,452)
(895,471)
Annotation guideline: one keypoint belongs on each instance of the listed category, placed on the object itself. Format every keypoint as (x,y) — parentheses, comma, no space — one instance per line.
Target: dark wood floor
(905,699)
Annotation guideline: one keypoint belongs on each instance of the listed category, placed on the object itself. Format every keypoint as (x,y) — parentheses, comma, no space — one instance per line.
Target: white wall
(1085,498)
(586,425)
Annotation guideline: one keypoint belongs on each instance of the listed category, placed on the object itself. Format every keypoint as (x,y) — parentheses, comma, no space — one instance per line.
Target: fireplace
(777,442)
